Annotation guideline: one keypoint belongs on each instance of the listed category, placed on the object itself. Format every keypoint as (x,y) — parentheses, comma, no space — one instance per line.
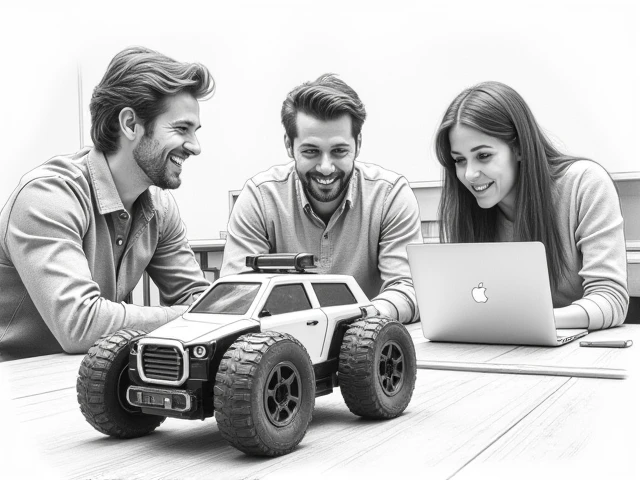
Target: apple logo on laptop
(478,294)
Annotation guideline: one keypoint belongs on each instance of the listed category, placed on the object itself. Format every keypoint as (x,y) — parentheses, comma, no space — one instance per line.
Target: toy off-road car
(254,350)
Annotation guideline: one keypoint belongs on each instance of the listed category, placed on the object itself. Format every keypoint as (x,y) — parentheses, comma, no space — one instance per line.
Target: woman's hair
(141,79)
(500,112)
(325,98)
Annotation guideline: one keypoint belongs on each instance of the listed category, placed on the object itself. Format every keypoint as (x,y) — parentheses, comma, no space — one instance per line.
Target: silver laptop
(486,293)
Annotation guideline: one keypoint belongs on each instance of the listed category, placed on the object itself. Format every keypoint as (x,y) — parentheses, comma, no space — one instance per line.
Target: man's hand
(177,310)
(385,309)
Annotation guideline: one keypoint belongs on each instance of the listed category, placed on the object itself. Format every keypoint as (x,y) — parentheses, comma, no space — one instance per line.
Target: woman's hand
(572,316)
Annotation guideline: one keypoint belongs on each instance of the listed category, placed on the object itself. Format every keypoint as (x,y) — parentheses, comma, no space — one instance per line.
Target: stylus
(608,344)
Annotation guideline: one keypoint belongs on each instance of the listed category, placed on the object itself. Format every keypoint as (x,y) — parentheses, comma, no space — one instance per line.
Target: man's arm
(400,227)
(45,239)
(246,232)
(173,267)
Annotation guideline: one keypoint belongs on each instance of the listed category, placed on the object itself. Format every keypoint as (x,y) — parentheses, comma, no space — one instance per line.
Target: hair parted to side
(325,98)
(141,78)
(499,111)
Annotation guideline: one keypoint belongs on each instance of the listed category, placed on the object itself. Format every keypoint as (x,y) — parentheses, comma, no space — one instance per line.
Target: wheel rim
(282,394)
(391,368)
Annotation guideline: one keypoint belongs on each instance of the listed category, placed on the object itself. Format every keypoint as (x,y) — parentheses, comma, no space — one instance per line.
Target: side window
(287,299)
(332,294)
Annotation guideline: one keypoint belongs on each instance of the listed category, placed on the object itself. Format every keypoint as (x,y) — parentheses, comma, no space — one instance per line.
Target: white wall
(39,115)
(575,62)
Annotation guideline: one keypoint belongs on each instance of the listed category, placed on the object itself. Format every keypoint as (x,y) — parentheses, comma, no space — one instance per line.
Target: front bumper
(161,401)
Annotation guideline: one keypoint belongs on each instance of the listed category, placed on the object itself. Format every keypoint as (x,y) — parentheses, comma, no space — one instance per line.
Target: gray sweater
(591,230)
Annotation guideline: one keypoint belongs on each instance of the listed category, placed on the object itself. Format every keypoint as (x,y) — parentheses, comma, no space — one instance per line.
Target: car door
(288,309)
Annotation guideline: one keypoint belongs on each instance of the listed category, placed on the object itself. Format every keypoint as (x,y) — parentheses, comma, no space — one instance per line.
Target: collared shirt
(70,254)
(366,237)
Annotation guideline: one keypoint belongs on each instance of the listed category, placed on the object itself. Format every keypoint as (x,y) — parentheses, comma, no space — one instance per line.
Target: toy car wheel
(377,368)
(264,393)
(102,387)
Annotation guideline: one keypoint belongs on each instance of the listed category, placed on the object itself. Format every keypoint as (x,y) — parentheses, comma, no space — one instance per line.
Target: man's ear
(289,146)
(358,144)
(129,125)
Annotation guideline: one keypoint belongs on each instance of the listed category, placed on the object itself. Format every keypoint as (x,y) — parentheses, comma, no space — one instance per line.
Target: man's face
(324,152)
(169,141)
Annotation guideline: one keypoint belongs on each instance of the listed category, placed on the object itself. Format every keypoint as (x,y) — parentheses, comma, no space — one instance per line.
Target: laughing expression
(169,142)
(486,166)
(324,152)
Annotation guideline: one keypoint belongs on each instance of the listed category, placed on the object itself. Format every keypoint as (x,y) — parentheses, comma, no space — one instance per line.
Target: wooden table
(462,425)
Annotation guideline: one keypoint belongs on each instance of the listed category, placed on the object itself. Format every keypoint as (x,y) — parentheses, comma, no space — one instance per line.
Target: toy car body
(255,349)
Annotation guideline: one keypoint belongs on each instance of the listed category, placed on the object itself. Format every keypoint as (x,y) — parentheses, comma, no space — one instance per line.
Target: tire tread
(232,392)
(356,370)
(92,392)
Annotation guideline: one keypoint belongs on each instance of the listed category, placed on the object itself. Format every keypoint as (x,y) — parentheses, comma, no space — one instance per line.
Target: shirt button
(119,242)
(124,215)
(326,235)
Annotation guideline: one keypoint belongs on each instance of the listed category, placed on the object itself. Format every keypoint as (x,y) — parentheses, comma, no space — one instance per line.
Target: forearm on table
(398,302)
(604,307)
(77,327)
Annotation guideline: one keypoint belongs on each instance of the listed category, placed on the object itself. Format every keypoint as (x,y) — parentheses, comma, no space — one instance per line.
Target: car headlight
(199,351)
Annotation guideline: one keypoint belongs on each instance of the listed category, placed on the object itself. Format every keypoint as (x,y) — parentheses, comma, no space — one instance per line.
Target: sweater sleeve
(600,239)
(400,227)
(173,267)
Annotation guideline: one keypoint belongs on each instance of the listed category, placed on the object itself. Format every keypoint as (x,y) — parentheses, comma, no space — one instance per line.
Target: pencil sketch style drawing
(254,350)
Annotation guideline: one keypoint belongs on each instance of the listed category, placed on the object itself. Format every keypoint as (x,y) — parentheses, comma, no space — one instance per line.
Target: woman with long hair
(505,181)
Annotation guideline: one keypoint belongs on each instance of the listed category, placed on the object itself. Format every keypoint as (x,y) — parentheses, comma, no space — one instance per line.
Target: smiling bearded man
(356,218)
(80,230)
(162,149)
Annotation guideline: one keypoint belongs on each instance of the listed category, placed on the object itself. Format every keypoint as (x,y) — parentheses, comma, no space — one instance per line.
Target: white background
(574,62)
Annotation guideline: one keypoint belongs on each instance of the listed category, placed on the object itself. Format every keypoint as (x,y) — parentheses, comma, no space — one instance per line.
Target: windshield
(228,299)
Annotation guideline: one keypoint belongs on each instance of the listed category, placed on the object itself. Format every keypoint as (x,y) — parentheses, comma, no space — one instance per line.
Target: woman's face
(486,166)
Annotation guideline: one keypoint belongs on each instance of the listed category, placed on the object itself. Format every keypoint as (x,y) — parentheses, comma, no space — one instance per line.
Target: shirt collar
(352,189)
(145,200)
(105,189)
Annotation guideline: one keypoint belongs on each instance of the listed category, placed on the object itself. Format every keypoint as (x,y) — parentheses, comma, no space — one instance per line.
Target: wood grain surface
(458,425)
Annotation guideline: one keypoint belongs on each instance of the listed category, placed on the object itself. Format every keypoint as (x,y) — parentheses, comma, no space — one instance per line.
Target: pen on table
(608,344)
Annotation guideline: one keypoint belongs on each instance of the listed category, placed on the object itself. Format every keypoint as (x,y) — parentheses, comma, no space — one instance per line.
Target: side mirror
(264,313)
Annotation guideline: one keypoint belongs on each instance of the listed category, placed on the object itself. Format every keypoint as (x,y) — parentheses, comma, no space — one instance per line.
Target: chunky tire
(377,368)
(102,385)
(264,393)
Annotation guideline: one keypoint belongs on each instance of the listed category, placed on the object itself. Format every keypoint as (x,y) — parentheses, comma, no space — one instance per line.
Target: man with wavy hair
(78,232)
(356,218)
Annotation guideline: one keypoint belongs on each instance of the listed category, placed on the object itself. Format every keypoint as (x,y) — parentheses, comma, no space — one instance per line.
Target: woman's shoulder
(585,180)
(585,171)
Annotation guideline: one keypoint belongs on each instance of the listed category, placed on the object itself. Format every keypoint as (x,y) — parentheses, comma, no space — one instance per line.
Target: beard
(319,192)
(155,164)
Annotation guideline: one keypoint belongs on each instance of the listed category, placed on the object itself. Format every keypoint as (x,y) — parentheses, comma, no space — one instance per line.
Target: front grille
(162,363)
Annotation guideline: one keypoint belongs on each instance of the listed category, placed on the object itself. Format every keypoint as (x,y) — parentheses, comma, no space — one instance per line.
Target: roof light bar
(281,261)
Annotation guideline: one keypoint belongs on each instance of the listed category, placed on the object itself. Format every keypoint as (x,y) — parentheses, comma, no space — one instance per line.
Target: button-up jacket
(70,255)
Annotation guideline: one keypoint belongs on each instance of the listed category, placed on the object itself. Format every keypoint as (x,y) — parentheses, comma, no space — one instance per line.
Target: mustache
(180,153)
(336,174)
